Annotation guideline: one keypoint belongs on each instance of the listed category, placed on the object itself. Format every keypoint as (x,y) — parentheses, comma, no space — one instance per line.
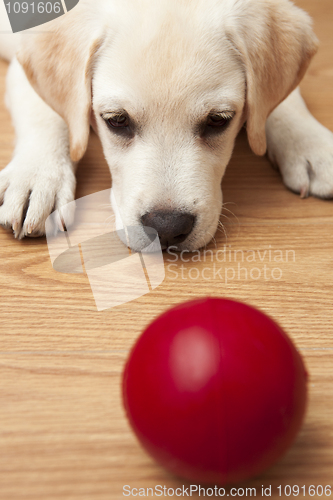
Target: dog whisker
(221,228)
(230,212)
(110,217)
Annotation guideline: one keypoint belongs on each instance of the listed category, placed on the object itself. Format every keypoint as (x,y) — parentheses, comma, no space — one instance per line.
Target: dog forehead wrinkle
(174,69)
(175,58)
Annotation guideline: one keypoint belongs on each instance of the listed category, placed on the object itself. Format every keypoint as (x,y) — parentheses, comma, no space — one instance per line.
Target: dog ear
(275,42)
(58,62)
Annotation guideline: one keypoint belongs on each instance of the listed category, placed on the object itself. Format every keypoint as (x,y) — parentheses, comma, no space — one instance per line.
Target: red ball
(215,390)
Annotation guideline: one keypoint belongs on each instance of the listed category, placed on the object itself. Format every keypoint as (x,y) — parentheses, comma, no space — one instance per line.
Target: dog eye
(218,121)
(118,121)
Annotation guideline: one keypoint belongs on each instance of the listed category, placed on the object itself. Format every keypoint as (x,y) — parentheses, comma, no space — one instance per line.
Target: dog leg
(41,176)
(301,148)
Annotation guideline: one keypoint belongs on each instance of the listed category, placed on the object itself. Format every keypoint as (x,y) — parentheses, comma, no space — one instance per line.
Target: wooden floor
(63,431)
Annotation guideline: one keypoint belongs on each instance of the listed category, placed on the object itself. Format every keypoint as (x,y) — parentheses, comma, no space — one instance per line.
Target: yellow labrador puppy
(167,85)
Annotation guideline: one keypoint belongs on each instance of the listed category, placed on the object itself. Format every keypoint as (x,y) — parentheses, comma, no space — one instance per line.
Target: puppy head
(168,106)
(169,84)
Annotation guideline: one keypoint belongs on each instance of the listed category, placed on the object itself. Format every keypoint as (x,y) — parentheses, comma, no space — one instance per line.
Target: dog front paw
(304,157)
(30,191)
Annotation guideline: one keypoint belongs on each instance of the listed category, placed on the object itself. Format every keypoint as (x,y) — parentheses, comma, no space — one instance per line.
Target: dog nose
(172,227)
